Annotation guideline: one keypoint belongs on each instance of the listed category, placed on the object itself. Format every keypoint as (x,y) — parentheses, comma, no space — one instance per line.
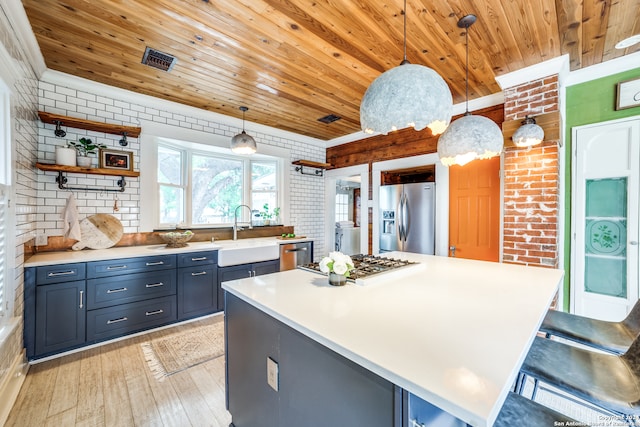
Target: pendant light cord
(466,33)
(405,32)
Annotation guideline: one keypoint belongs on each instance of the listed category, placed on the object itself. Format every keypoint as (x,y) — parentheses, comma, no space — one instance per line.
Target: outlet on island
(272,373)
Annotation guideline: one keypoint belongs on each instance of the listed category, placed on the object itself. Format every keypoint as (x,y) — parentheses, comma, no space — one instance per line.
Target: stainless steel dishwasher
(295,254)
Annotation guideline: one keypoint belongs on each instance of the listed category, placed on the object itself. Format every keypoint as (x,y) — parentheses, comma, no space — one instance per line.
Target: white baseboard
(11,384)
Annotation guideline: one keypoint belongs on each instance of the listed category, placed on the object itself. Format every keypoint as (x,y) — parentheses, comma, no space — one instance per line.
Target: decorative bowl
(177,240)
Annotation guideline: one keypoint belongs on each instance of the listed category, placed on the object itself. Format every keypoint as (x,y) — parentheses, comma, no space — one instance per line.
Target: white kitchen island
(452,332)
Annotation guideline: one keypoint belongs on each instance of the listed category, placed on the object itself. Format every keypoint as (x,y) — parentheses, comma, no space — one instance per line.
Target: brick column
(531,180)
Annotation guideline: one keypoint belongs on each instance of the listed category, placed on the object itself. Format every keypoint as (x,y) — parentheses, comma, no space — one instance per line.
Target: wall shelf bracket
(319,167)
(62,181)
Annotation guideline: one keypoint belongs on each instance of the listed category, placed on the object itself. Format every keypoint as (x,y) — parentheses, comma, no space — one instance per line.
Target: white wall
(67,95)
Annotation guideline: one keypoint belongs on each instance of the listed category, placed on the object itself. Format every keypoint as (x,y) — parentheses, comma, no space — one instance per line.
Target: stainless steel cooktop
(365,266)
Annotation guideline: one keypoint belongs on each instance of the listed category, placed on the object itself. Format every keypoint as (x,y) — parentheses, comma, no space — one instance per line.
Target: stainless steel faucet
(235,221)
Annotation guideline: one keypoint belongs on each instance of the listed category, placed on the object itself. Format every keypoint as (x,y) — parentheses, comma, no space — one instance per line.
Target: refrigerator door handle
(405,217)
(399,218)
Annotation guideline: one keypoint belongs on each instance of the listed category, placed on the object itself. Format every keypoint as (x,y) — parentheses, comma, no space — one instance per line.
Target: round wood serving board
(99,231)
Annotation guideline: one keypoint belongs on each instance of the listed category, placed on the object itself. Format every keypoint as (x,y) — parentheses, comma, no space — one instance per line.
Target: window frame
(7,257)
(188,150)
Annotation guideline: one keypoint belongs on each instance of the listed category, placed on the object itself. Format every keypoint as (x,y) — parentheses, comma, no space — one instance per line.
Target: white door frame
(578,233)
(331,178)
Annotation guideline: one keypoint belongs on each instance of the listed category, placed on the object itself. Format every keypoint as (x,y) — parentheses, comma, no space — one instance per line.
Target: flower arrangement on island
(337,263)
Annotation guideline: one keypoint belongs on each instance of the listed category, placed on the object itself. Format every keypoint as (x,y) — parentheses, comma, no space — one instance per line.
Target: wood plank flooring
(112,385)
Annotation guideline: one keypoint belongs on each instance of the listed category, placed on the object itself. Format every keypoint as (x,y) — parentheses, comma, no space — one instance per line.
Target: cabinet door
(266,267)
(197,291)
(232,272)
(60,316)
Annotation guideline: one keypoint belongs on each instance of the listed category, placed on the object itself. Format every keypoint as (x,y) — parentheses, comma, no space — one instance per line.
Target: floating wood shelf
(318,166)
(549,122)
(62,180)
(73,122)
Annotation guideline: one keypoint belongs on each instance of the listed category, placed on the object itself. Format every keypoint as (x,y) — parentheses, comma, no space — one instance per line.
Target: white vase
(84,162)
(65,156)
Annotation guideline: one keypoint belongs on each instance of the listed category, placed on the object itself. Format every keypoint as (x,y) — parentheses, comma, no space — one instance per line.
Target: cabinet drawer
(111,322)
(193,259)
(60,273)
(108,291)
(116,267)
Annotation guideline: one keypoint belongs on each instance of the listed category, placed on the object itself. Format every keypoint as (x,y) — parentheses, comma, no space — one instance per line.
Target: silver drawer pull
(151,313)
(62,273)
(116,267)
(204,258)
(113,291)
(199,274)
(122,319)
(148,264)
(153,285)
(81,299)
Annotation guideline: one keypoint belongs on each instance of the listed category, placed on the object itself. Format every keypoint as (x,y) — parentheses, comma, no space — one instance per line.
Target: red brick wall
(531,177)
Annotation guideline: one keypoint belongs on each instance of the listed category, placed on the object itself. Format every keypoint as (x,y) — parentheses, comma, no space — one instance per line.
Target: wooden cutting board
(99,231)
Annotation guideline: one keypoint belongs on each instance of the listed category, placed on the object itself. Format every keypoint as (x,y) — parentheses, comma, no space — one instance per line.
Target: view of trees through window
(206,188)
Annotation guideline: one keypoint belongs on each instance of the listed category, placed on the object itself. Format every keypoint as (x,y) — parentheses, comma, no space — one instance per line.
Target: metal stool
(612,337)
(611,382)
(519,411)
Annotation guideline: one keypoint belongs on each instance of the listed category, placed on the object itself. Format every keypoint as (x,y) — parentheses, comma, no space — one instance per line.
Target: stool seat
(518,411)
(612,337)
(609,381)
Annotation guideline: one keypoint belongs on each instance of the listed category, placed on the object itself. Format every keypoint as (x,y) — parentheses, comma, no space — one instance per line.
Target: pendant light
(529,134)
(408,95)
(243,143)
(470,137)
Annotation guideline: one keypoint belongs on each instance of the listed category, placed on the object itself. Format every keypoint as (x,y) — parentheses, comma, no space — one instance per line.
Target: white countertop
(454,332)
(86,255)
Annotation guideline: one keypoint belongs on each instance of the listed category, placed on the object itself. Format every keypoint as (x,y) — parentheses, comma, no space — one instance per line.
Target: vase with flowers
(338,266)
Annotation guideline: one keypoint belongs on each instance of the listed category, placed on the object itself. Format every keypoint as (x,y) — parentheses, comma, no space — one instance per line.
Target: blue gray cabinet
(55,308)
(316,386)
(197,280)
(71,305)
(234,272)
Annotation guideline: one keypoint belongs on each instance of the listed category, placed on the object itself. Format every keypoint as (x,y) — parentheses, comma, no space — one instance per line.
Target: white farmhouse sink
(245,251)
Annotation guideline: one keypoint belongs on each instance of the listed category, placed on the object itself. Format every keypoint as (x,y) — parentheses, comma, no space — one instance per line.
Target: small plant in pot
(85,147)
(268,215)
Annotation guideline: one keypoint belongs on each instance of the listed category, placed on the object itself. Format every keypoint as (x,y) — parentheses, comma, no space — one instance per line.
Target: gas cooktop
(366,266)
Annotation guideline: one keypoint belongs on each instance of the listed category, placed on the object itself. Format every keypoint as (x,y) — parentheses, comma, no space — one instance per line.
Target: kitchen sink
(245,251)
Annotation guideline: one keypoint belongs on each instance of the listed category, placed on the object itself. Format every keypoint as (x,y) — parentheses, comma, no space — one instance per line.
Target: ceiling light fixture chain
(470,137)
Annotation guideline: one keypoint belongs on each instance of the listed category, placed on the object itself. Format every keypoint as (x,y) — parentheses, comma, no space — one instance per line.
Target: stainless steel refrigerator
(407,218)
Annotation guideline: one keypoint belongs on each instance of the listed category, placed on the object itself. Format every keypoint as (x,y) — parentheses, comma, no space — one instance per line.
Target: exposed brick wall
(531,193)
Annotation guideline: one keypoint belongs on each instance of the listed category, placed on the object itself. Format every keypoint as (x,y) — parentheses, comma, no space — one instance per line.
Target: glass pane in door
(606,237)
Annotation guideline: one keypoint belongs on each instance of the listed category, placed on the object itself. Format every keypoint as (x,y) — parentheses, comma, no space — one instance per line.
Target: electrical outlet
(272,373)
(41,240)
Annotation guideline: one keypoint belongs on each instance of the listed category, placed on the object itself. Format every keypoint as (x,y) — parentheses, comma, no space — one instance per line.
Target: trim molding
(10,386)
(604,69)
(26,38)
(78,83)
(558,65)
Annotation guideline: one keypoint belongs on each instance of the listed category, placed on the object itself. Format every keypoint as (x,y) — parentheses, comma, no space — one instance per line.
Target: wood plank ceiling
(295,61)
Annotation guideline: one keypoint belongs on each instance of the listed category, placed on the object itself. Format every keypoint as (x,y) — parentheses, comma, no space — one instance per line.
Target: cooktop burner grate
(365,266)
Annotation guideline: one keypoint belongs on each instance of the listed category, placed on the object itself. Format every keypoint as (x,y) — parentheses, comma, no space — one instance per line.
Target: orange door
(474,210)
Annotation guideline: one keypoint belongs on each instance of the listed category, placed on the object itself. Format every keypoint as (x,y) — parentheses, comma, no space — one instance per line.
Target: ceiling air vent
(159,60)
(329,119)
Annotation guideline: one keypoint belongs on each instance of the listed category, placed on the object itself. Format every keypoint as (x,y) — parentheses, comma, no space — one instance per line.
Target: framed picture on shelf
(116,159)
(628,94)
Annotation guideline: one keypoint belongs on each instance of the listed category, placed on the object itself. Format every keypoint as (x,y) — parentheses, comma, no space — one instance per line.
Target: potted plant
(338,266)
(65,155)
(85,147)
(268,215)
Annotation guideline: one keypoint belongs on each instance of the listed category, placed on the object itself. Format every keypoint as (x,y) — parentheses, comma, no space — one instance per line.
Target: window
(5,192)
(201,187)
(3,244)
(342,207)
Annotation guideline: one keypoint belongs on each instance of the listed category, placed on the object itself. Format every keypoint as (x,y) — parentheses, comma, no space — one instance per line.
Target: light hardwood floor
(112,385)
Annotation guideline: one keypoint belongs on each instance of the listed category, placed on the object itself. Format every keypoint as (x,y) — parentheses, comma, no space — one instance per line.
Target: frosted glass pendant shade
(243,144)
(408,95)
(469,138)
(528,134)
